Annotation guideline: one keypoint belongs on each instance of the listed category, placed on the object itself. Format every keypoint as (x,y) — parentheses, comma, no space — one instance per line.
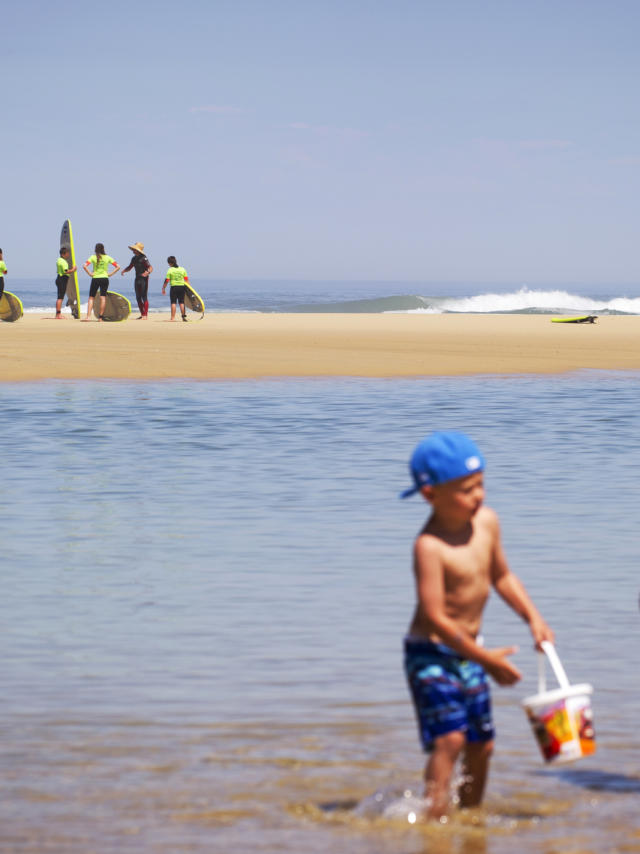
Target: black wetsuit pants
(142,289)
(61,285)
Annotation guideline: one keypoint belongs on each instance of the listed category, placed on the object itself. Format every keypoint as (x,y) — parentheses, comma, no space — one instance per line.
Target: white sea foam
(525,300)
(343,298)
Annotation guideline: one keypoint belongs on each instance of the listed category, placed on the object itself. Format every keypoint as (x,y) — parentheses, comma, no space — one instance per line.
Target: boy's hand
(502,670)
(541,632)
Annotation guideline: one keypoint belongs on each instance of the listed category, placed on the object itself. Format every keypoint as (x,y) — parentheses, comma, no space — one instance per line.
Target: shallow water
(206,587)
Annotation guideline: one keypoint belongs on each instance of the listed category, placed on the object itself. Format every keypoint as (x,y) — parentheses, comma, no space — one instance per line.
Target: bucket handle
(549,651)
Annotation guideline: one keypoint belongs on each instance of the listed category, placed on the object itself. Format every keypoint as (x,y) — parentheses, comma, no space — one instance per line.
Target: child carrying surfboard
(178,278)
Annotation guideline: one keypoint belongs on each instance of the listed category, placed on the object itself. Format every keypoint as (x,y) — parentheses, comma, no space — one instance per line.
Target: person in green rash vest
(63,270)
(99,277)
(3,272)
(177,277)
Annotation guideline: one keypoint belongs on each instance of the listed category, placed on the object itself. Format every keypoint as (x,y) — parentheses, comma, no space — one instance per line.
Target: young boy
(458,556)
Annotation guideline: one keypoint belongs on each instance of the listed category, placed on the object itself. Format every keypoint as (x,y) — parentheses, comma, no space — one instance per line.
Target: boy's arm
(512,590)
(429,571)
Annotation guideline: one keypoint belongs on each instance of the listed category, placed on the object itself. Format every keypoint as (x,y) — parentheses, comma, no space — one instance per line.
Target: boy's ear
(427,493)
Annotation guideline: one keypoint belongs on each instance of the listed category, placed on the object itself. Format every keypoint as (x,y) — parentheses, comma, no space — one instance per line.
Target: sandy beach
(239,345)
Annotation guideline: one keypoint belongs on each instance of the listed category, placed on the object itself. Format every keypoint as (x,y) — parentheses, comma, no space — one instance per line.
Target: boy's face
(458,499)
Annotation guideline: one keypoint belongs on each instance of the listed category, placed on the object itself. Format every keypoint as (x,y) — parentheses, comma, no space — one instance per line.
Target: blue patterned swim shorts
(449,692)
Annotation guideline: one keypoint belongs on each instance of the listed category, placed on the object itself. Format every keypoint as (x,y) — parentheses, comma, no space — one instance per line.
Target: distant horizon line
(399,281)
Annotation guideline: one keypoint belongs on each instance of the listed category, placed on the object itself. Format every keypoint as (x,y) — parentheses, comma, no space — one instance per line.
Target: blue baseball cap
(442,457)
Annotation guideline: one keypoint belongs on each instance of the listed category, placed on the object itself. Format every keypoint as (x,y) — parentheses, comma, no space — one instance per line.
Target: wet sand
(236,345)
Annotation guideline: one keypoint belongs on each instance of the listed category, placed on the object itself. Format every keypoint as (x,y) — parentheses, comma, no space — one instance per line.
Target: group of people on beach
(176,277)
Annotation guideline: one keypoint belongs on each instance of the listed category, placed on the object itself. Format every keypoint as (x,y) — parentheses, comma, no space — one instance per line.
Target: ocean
(205,590)
(358,297)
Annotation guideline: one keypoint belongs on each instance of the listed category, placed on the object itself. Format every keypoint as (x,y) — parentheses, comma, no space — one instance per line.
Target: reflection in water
(600,781)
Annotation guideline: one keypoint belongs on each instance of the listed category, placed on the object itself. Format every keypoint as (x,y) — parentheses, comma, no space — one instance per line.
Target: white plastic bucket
(561,719)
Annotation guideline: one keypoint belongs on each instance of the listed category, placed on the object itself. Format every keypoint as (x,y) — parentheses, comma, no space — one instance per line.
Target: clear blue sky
(432,140)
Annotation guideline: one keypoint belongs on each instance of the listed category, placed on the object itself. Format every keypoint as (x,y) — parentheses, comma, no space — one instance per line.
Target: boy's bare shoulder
(488,516)
(486,520)
(429,540)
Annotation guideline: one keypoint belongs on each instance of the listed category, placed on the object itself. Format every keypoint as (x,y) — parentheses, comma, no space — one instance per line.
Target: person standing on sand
(177,277)
(62,279)
(458,557)
(143,271)
(3,272)
(100,277)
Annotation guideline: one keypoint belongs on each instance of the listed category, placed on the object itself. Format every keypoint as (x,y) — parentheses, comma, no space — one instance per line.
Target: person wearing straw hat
(458,557)
(143,271)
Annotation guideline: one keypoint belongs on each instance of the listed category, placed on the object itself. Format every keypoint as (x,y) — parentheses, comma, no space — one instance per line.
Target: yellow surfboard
(10,307)
(73,289)
(116,307)
(193,300)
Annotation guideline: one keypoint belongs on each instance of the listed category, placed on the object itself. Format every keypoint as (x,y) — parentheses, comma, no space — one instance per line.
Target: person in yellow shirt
(178,279)
(99,277)
(63,270)
(3,273)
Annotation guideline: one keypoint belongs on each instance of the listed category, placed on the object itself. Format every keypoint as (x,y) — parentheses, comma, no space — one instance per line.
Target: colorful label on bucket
(564,729)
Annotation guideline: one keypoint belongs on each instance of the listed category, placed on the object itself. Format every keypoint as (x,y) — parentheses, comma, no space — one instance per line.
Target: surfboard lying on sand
(193,300)
(73,290)
(10,307)
(587,318)
(116,307)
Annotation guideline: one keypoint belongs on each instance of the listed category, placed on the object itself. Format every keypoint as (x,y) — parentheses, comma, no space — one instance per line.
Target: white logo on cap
(472,463)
